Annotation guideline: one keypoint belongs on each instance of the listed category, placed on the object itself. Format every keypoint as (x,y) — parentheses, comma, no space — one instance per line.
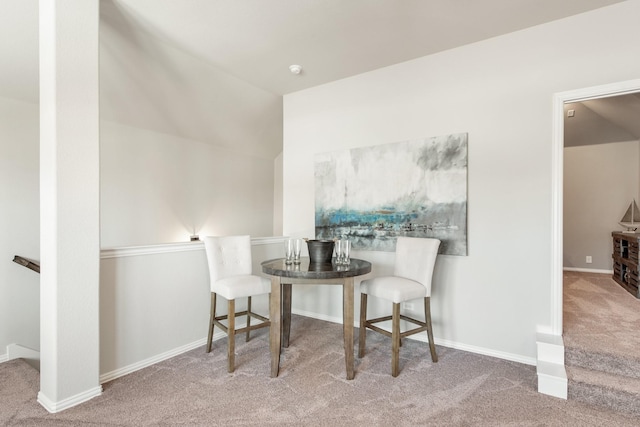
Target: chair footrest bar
(259,317)
(422,328)
(226,316)
(412,331)
(379,319)
(377,329)
(252,327)
(243,313)
(221,325)
(237,331)
(414,321)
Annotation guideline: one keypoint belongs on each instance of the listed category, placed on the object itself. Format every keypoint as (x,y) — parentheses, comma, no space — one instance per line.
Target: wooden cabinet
(625,261)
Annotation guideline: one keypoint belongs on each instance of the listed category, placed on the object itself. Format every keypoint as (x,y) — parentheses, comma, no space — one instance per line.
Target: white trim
(552,375)
(318,316)
(150,249)
(173,247)
(549,348)
(110,376)
(588,270)
(557,170)
(121,372)
(422,337)
(17,351)
(484,351)
(4,358)
(550,378)
(69,402)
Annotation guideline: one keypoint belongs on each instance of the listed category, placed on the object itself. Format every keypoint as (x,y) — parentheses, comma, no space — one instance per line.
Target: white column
(69,203)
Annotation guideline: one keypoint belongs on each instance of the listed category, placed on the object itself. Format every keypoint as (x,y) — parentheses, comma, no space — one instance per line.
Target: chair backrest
(416,258)
(228,256)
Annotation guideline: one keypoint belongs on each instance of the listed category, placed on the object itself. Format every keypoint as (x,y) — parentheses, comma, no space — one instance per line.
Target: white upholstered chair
(229,261)
(415,259)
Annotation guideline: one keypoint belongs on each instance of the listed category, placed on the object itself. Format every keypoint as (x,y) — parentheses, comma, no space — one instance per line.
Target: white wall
(149,83)
(19,224)
(184,145)
(154,302)
(19,176)
(158,188)
(500,92)
(277,196)
(599,183)
(153,186)
(69,202)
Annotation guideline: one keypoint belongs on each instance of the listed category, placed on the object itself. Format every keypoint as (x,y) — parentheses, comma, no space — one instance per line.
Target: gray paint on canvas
(372,195)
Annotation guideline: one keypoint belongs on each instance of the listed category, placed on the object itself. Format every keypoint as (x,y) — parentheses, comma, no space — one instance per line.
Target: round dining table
(284,275)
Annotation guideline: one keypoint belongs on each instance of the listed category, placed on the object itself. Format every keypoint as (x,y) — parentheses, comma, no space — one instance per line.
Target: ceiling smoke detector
(295,69)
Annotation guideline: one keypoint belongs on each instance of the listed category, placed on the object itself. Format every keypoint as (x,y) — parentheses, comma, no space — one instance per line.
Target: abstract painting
(372,195)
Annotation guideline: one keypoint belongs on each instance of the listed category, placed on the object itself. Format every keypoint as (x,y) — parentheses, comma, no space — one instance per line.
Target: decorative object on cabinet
(625,260)
(631,218)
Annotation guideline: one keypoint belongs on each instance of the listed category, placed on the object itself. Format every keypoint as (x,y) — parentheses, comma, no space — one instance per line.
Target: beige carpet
(602,342)
(194,389)
(600,316)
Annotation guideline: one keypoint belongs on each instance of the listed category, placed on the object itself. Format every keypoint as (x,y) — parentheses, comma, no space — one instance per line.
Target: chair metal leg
(363,328)
(231,334)
(395,339)
(427,316)
(211,317)
(248,317)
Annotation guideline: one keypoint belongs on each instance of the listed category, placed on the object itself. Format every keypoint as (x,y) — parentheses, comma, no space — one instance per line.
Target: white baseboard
(319,316)
(550,348)
(69,402)
(587,270)
(422,337)
(552,380)
(109,376)
(482,350)
(17,351)
(552,375)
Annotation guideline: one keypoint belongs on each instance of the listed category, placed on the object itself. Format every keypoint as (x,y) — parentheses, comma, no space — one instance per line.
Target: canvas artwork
(372,195)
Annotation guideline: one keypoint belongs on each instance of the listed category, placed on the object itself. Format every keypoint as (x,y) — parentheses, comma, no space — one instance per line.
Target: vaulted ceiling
(603,120)
(257,40)
(192,67)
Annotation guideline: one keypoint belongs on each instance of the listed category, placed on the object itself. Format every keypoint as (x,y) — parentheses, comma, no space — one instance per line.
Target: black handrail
(32,265)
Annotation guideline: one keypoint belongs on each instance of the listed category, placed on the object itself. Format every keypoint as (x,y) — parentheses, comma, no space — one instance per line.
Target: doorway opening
(557,165)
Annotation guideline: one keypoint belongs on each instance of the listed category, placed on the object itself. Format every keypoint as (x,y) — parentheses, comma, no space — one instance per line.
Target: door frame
(557,171)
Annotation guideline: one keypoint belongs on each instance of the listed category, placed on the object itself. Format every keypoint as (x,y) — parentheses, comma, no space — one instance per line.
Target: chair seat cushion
(393,288)
(241,286)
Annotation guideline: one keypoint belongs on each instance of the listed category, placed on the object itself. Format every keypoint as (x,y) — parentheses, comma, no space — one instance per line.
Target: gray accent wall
(599,183)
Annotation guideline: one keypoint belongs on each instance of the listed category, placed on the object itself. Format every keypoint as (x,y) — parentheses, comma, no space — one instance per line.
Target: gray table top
(307,270)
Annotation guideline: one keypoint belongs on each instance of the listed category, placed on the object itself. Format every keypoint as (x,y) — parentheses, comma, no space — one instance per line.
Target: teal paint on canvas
(372,195)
